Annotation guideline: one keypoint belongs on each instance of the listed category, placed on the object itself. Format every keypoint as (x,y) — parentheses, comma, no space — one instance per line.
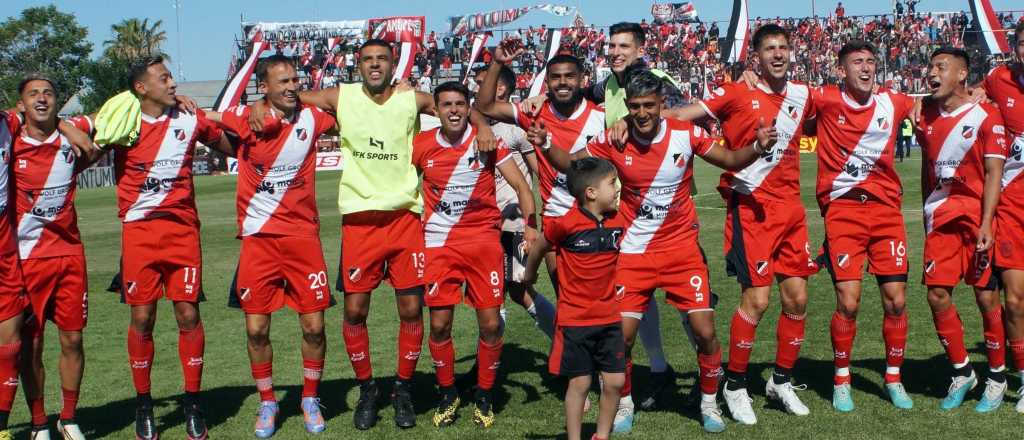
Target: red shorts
(12,287)
(379,244)
(160,257)
(478,265)
(58,290)
(682,273)
(855,231)
(766,238)
(1009,233)
(274,271)
(950,256)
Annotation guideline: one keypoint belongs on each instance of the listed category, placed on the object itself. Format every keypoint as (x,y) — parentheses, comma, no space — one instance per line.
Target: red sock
(488,358)
(312,370)
(357,344)
(70,403)
(843,332)
(894,332)
(410,343)
(951,334)
(264,376)
(8,374)
(995,338)
(1017,350)
(38,411)
(140,358)
(191,344)
(789,335)
(741,341)
(627,387)
(710,366)
(443,355)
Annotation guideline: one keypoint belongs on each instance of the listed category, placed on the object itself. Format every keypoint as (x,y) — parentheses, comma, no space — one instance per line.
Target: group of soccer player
(452,209)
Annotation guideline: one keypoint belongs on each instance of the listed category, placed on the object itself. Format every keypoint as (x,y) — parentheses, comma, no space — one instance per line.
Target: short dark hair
(1018,31)
(138,68)
(35,77)
(451,86)
(508,77)
(956,52)
(565,59)
(768,30)
(375,42)
(630,28)
(643,83)
(587,172)
(856,46)
(264,65)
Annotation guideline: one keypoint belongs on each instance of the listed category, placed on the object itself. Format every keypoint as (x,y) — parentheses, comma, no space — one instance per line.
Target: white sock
(892,370)
(545,314)
(650,336)
(626,402)
(708,399)
(532,311)
(843,372)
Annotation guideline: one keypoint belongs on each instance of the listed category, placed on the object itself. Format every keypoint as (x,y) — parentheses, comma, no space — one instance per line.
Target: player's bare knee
(355,316)
(313,336)
(1015,304)
(939,298)
(440,331)
(259,338)
(613,382)
(188,318)
(71,341)
(987,300)
(847,307)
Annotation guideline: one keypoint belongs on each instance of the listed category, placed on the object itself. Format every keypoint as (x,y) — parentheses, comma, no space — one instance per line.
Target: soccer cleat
(266,418)
(69,430)
(365,416)
(145,425)
(311,415)
(623,420)
(739,406)
(1020,403)
(483,415)
(842,401)
(405,415)
(711,417)
(448,409)
(37,433)
(195,423)
(958,390)
(786,394)
(660,383)
(992,398)
(6,435)
(898,395)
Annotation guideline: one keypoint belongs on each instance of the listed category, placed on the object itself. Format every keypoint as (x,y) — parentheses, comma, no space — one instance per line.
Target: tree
(135,39)
(46,41)
(105,78)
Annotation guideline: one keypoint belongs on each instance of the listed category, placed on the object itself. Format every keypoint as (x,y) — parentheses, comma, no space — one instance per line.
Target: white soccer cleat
(70,431)
(711,417)
(738,402)
(786,394)
(40,435)
(623,422)
(1020,402)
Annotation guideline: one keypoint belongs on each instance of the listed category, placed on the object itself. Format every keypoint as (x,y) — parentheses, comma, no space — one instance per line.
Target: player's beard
(574,99)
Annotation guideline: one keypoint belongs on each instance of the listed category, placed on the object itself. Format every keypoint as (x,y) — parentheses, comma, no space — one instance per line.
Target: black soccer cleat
(483,415)
(405,415)
(145,425)
(365,416)
(448,409)
(661,383)
(195,423)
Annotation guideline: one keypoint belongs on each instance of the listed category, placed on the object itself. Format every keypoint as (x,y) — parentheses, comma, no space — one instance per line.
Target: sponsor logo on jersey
(443,206)
(195,361)
(412,355)
(265,187)
(755,104)
(852,169)
(967,132)
(430,163)
(629,161)
(356,357)
(1010,102)
(377,144)
(761,267)
(11,382)
(842,120)
(745,344)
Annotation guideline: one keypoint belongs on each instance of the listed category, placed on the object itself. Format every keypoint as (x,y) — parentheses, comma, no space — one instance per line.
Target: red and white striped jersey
(776,175)
(9,129)
(856,144)
(656,180)
(459,204)
(44,182)
(570,133)
(1005,87)
(954,147)
(277,173)
(154,176)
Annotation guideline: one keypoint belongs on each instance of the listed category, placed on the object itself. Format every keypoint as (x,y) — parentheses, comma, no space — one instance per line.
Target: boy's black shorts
(579,351)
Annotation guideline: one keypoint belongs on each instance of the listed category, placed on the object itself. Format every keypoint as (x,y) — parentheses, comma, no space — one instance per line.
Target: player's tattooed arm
(517,181)
(735,160)
(486,102)
(989,201)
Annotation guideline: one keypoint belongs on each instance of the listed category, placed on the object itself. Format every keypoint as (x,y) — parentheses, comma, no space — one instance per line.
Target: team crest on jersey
(679,160)
(791,110)
(243,293)
(620,292)
(883,123)
(1005,248)
(65,152)
(761,267)
(129,287)
(929,267)
(3,155)
(755,104)
(967,132)
(843,260)
(179,134)
(432,289)
(475,161)
(301,134)
(355,274)
(720,91)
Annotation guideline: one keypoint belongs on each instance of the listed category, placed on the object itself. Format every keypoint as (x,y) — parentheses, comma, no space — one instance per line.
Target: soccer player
(660,248)
(1004,85)
(12,286)
(156,205)
(462,242)
(963,147)
(760,247)
(45,168)
(380,205)
(281,261)
(860,196)
(588,332)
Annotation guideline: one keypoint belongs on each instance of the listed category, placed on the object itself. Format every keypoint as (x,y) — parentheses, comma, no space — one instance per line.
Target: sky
(208,27)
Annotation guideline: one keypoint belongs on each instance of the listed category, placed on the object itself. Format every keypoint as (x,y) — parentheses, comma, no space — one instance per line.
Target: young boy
(588,328)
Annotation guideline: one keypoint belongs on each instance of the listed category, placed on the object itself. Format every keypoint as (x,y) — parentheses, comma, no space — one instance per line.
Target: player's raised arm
(485,100)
